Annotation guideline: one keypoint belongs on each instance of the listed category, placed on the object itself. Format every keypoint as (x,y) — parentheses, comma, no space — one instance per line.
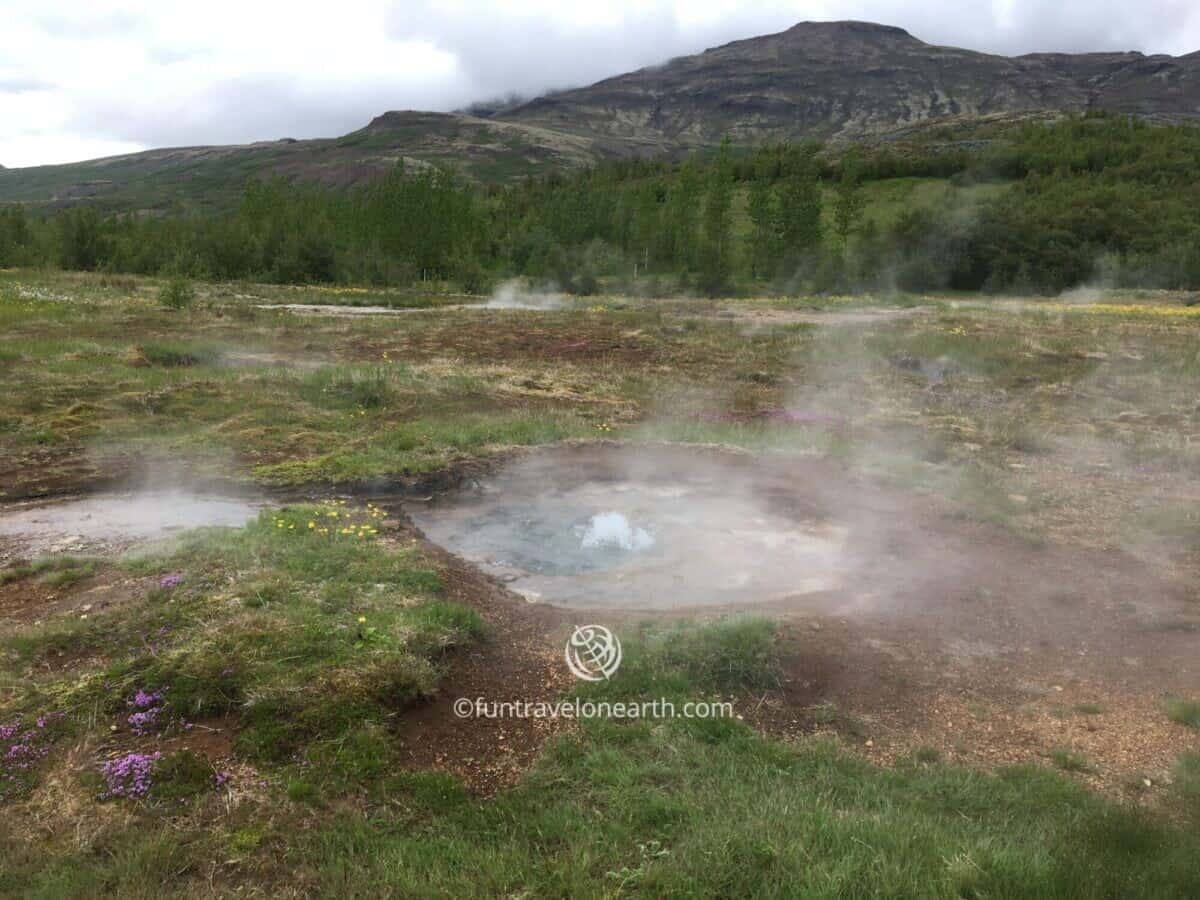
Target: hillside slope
(849,79)
(846,79)
(817,80)
(210,176)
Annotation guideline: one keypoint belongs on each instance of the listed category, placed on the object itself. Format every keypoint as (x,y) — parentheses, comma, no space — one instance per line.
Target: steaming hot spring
(604,527)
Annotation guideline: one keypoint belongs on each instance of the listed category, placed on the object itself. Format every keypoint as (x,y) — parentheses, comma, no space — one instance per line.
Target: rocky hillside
(849,79)
(824,80)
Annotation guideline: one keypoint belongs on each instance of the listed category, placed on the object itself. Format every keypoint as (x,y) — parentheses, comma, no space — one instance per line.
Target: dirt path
(516,662)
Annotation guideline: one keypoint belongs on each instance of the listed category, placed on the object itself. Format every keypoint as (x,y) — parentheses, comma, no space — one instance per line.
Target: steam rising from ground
(636,529)
(120,518)
(516,295)
(611,529)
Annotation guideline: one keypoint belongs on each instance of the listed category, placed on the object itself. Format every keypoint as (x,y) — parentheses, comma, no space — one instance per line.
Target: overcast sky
(93,77)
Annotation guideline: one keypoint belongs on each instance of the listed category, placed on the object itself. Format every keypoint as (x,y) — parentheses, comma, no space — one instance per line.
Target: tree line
(1060,203)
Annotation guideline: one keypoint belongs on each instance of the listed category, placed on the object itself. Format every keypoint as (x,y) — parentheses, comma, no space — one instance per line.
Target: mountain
(484,149)
(850,79)
(822,80)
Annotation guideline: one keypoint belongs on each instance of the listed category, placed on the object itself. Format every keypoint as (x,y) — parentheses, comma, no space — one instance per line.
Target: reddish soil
(30,599)
(491,337)
(516,662)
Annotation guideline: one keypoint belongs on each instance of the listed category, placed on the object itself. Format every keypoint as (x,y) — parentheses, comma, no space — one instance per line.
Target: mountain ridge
(842,80)
(830,81)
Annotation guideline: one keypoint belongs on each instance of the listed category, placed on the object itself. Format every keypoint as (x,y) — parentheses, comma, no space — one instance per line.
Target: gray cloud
(252,108)
(206,85)
(1028,26)
(528,53)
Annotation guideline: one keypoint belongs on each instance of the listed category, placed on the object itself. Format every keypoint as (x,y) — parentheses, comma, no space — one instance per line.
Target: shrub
(177,293)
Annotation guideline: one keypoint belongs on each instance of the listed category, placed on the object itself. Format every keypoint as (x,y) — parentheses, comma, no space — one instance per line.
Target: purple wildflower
(143,722)
(129,775)
(170,581)
(22,747)
(146,706)
(145,699)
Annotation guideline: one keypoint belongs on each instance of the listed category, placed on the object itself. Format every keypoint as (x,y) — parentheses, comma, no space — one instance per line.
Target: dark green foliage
(736,654)
(177,293)
(716,260)
(849,205)
(182,775)
(1089,197)
(82,240)
(762,210)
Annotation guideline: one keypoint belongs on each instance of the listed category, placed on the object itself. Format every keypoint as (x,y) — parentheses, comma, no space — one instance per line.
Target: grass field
(243,710)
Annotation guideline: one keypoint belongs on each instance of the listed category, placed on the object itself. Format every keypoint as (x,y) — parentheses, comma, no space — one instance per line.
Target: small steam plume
(516,295)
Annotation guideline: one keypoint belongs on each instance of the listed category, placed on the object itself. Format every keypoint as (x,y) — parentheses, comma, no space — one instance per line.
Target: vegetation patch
(1185,712)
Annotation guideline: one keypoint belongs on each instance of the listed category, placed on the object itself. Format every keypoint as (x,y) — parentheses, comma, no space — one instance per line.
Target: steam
(649,528)
(515,295)
(1083,294)
(611,529)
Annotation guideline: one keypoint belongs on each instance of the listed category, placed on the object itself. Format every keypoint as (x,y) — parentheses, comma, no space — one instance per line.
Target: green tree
(80,238)
(682,202)
(849,203)
(761,208)
(716,261)
(799,209)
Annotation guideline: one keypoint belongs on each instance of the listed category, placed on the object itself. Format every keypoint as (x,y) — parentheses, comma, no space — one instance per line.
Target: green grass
(1185,712)
(178,355)
(425,445)
(1070,761)
(55,571)
(311,635)
(1187,786)
(655,808)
